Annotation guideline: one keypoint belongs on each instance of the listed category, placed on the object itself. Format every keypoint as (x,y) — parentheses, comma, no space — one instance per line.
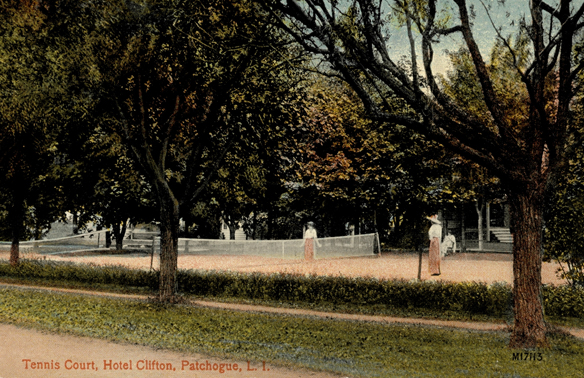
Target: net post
(378,244)
(152,254)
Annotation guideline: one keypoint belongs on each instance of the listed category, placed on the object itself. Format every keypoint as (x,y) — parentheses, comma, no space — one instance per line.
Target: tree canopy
(183,84)
(41,102)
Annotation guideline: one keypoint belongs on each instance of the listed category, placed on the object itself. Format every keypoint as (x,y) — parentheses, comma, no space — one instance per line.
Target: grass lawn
(350,348)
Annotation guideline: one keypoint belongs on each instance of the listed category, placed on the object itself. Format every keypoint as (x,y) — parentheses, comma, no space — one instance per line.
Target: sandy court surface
(460,267)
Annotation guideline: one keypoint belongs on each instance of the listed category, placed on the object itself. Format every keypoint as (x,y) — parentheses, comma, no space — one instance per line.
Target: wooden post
(463,231)
(488,225)
(479,209)
(420,249)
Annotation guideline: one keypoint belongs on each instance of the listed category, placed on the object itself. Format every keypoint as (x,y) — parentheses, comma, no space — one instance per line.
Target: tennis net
(329,247)
(77,243)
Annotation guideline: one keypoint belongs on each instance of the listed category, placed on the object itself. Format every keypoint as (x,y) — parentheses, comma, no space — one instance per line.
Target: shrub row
(88,274)
(473,298)
(468,297)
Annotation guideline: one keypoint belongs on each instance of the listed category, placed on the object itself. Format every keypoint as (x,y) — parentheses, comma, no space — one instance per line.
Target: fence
(342,246)
(330,247)
(71,244)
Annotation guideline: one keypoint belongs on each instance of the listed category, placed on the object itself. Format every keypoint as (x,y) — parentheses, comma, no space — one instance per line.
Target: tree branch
(212,170)
(511,51)
(480,66)
(168,134)
(416,79)
(554,12)
(452,30)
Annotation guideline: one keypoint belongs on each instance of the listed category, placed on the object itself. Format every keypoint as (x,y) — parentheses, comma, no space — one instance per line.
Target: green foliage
(349,170)
(110,189)
(357,294)
(563,301)
(32,117)
(179,84)
(470,181)
(54,272)
(564,227)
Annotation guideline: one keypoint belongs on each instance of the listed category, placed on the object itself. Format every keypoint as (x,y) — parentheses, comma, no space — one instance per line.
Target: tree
(352,170)
(525,153)
(233,190)
(19,132)
(178,79)
(114,192)
(35,85)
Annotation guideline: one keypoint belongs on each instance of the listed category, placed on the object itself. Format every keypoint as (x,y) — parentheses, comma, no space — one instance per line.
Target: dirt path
(479,326)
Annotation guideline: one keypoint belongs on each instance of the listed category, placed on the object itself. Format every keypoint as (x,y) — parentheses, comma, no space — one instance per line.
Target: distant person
(310,238)
(434,234)
(449,244)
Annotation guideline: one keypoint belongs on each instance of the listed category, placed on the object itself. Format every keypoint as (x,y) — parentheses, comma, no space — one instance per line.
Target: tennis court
(460,267)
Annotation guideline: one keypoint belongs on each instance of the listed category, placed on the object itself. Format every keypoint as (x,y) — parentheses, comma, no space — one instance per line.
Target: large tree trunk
(75,223)
(479,207)
(16,226)
(254,223)
(14,252)
(270,231)
(16,216)
(529,330)
(169,230)
(119,229)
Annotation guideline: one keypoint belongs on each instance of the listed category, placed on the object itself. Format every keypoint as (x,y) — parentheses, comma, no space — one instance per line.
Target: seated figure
(448,246)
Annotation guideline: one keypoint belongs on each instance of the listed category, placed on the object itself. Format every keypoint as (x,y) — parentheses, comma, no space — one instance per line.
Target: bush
(471,298)
(563,301)
(90,274)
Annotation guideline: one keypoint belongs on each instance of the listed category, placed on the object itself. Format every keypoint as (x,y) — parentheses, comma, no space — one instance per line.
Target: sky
(505,16)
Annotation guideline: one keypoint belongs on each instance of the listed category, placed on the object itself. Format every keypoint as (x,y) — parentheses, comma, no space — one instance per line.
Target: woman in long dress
(309,241)
(435,235)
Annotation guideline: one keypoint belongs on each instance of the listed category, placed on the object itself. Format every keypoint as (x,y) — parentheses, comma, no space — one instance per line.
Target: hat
(434,219)
(310,223)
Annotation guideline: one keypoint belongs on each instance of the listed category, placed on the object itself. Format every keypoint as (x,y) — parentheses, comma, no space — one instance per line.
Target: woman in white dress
(435,235)
(310,238)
